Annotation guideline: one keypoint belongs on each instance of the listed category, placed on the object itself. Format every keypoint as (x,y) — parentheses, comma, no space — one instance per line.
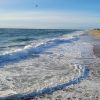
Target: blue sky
(50,13)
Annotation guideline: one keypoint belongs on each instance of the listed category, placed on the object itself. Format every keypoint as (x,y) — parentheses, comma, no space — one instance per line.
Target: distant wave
(23,39)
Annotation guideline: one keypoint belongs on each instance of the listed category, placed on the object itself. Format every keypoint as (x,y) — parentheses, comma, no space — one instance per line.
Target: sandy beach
(95,33)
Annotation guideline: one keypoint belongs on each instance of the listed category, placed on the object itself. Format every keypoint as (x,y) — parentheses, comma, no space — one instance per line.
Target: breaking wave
(29,50)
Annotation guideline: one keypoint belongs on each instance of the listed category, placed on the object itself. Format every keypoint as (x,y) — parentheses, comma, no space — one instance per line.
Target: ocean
(34,62)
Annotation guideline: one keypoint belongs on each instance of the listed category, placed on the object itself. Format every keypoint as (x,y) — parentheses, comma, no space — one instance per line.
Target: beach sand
(95,33)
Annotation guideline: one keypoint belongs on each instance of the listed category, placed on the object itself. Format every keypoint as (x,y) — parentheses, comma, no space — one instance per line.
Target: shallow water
(32,60)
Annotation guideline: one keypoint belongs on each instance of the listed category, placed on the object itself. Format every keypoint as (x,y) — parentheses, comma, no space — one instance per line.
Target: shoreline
(88,89)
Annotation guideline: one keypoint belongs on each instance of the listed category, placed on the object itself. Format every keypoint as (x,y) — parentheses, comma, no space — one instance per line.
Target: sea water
(36,59)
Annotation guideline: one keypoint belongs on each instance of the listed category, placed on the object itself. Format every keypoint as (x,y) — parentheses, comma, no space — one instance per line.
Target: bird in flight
(36,5)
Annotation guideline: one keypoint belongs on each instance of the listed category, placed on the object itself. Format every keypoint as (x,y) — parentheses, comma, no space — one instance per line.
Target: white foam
(59,66)
(73,34)
(44,41)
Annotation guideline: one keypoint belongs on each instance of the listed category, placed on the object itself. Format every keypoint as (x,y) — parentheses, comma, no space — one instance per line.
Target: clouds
(45,19)
(49,13)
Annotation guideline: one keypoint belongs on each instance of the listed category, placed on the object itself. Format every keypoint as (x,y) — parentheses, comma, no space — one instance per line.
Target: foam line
(50,90)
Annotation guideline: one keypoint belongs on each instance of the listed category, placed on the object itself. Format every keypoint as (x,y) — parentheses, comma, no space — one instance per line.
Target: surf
(27,51)
(50,55)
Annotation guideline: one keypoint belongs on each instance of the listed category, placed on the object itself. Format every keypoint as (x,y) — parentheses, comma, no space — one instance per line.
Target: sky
(50,14)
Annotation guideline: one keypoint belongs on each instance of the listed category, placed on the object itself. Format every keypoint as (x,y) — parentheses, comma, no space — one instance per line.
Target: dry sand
(97,50)
(95,33)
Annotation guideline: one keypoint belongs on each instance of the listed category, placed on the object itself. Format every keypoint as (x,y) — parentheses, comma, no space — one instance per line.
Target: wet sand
(96,50)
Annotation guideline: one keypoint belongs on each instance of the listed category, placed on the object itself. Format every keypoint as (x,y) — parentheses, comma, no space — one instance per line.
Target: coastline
(88,89)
